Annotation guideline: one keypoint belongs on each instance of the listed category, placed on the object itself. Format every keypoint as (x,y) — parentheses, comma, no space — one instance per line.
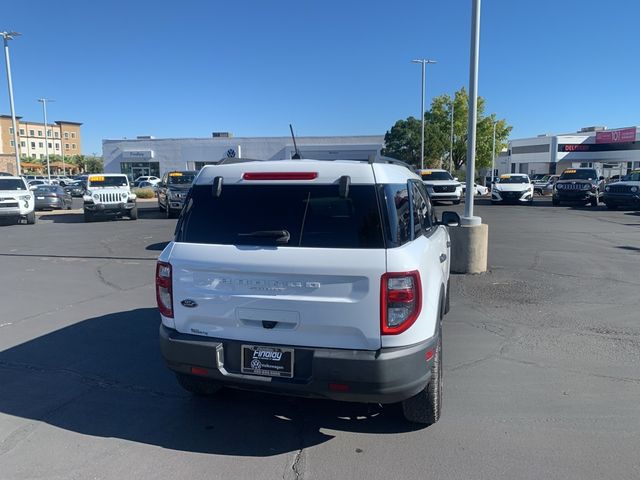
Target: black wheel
(425,407)
(594,201)
(202,387)
(88,217)
(133,213)
(456,202)
(70,205)
(555,202)
(160,206)
(611,206)
(31,218)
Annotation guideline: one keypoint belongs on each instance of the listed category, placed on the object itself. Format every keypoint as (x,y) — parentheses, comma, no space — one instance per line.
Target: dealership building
(610,151)
(155,156)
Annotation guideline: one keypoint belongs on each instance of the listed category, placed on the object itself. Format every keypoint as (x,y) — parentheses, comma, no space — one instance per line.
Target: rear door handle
(443,257)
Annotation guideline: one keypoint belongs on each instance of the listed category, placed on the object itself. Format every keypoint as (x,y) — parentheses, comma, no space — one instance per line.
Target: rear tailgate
(312,297)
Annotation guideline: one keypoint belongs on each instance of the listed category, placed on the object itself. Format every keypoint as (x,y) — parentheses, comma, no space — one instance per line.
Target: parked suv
(16,200)
(441,186)
(311,278)
(172,191)
(578,185)
(109,195)
(623,193)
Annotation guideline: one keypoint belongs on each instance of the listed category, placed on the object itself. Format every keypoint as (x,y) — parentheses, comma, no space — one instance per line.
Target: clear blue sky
(187,68)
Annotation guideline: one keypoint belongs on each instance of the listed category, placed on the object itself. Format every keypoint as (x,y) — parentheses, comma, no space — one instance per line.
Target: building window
(73,146)
(22,131)
(66,134)
(49,145)
(48,133)
(32,133)
(33,144)
(39,133)
(23,144)
(11,130)
(11,143)
(33,155)
(56,134)
(66,146)
(40,144)
(57,146)
(73,134)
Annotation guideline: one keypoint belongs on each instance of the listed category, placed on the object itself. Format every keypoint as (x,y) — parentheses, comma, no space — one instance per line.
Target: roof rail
(229,160)
(377,158)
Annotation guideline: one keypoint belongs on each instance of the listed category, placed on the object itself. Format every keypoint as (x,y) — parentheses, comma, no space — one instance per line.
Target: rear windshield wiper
(280,236)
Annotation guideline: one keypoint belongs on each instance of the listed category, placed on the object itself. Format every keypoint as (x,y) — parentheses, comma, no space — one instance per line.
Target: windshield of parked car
(100,181)
(632,177)
(311,216)
(430,175)
(11,184)
(514,179)
(573,174)
(181,178)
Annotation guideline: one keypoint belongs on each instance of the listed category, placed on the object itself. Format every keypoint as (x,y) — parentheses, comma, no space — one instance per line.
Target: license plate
(267,361)
(40,198)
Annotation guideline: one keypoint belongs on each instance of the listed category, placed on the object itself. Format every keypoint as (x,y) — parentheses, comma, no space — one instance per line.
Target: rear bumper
(49,203)
(384,376)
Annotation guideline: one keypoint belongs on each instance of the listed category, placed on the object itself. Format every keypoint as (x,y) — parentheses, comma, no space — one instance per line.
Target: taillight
(164,290)
(400,301)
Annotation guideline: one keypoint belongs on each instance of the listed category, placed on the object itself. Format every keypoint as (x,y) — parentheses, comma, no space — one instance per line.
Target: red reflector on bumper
(199,371)
(429,355)
(339,387)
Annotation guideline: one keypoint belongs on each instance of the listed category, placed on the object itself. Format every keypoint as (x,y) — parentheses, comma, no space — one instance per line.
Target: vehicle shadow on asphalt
(105,377)
(78,217)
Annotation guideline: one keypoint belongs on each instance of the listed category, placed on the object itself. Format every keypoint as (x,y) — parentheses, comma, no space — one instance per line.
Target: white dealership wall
(183,153)
(543,154)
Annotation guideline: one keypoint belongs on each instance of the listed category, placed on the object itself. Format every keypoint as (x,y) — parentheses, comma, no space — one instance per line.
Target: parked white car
(441,186)
(109,195)
(16,200)
(512,188)
(326,279)
(151,179)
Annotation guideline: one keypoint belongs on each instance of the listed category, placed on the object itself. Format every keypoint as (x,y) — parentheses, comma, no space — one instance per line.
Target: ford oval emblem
(187,302)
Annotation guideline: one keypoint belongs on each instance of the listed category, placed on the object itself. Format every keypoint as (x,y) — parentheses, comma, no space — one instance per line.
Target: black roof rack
(377,158)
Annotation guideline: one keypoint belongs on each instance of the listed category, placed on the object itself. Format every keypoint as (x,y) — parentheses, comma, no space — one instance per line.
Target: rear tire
(447,302)
(31,218)
(555,202)
(199,386)
(133,213)
(594,201)
(426,406)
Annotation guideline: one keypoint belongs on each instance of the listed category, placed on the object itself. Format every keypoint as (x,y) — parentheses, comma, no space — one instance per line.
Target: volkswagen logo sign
(189,303)
(231,153)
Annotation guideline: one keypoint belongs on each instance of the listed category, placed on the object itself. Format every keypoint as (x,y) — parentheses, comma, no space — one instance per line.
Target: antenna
(296,156)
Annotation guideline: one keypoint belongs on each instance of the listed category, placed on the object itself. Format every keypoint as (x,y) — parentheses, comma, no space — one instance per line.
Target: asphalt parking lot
(542,365)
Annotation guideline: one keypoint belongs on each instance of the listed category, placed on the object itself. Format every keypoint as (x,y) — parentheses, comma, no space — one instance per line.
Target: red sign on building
(617,136)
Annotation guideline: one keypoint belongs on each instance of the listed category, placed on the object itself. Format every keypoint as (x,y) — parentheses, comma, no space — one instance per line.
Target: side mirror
(450,219)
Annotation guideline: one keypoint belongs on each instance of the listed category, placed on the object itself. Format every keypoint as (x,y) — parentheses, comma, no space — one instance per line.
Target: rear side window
(395,202)
(311,216)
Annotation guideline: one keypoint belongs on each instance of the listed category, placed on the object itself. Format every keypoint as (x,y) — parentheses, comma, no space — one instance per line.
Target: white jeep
(315,278)
(16,200)
(109,195)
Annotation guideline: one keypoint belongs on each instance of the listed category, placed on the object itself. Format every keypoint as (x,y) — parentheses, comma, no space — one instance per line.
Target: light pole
(424,62)
(453,107)
(493,154)
(6,37)
(46,137)
(468,218)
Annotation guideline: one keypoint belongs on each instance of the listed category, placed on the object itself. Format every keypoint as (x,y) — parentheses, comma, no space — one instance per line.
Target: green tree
(403,140)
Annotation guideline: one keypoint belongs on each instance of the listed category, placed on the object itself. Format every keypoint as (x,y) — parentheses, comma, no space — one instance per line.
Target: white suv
(16,200)
(109,195)
(314,278)
(441,186)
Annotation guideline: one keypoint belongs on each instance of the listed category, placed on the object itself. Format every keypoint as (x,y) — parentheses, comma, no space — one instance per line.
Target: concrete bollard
(469,245)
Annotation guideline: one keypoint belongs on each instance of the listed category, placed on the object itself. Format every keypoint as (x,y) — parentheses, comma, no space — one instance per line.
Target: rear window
(311,216)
